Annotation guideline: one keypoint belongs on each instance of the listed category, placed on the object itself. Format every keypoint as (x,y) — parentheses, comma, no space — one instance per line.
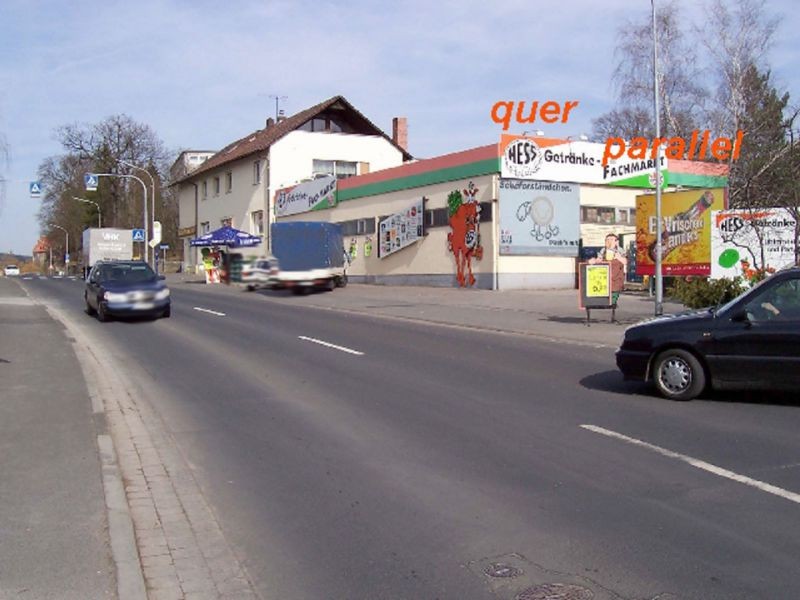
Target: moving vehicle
(261,272)
(106,244)
(126,288)
(11,271)
(753,341)
(311,255)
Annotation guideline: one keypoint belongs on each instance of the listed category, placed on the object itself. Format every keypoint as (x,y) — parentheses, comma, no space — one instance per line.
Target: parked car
(126,288)
(11,271)
(752,341)
(261,272)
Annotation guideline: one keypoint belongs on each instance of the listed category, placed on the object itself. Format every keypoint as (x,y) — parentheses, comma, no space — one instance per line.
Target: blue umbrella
(226,236)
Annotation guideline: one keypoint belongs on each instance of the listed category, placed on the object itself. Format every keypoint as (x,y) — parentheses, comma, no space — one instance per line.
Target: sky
(201,73)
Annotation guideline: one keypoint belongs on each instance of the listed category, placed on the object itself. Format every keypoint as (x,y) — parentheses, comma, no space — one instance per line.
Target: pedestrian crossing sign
(138,235)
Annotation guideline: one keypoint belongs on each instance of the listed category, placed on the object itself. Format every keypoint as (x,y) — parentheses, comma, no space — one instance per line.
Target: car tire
(341,281)
(102,314)
(678,374)
(249,287)
(89,310)
(330,285)
(167,312)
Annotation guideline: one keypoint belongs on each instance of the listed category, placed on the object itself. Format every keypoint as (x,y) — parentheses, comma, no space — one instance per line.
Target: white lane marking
(329,345)
(700,464)
(209,311)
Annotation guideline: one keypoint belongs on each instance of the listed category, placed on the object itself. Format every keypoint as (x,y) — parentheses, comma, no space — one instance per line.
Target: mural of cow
(464,238)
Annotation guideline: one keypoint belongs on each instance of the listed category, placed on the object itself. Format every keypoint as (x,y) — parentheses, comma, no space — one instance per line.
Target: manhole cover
(555,591)
(502,570)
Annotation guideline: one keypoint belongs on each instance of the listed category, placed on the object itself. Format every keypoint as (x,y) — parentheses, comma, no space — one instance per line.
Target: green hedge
(699,292)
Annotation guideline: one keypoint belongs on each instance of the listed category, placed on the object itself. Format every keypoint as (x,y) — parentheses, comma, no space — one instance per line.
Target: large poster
(400,229)
(311,195)
(539,218)
(685,234)
(744,241)
(547,159)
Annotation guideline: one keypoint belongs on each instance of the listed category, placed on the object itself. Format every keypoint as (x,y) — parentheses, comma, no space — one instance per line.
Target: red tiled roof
(260,140)
(43,245)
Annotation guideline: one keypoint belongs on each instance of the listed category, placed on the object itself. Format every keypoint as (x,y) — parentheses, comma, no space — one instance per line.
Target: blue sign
(35,188)
(90,180)
(138,235)
(539,218)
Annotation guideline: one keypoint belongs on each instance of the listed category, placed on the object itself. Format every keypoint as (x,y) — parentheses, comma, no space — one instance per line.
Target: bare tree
(682,98)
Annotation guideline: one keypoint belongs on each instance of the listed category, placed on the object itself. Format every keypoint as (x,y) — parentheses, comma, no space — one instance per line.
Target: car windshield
(133,273)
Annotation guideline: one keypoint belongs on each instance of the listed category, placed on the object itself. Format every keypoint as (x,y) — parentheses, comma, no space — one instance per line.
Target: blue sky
(200,73)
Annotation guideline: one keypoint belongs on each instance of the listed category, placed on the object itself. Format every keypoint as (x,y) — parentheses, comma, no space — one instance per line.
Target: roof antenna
(278,112)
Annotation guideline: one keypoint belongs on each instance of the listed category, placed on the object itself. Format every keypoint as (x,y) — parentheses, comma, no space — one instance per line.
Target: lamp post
(144,189)
(66,251)
(152,195)
(87,201)
(659,303)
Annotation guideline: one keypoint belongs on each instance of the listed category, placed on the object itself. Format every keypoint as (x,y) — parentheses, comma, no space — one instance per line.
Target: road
(348,456)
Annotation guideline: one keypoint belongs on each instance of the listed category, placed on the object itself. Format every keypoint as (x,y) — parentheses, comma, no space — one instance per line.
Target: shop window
(358,227)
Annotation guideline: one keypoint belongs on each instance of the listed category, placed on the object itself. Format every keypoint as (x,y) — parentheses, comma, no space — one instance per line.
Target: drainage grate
(502,570)
(555,591)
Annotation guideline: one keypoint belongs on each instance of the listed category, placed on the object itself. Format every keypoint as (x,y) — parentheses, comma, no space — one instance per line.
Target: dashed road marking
(329,345)
(700,464)
(209,311)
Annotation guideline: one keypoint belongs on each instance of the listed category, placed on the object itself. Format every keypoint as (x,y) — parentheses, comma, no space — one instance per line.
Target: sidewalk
(54,539)
(548,314)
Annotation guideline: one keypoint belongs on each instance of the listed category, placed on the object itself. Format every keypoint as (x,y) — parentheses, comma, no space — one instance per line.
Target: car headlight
(162,294)
(112,297)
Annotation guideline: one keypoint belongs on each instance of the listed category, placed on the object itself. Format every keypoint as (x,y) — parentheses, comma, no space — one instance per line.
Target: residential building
(237,185)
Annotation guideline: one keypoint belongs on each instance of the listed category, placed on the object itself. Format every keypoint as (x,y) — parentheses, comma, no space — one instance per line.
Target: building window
(341,169)
(358,227)
(607,215)
(216,186)
(257,172)
(257,222)
(226,221)
(205,227)
(228,182)
(205,189)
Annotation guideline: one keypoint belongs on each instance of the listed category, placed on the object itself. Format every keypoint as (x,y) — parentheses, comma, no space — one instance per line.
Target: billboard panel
(400,229)
(685,232)
(744,240)
(539,218)
(304,197)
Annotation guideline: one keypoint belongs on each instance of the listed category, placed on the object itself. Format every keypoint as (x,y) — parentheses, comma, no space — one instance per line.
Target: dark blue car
(753,341)
(126,288)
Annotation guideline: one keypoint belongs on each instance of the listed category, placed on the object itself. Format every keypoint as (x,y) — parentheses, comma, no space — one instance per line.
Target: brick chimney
(400,132)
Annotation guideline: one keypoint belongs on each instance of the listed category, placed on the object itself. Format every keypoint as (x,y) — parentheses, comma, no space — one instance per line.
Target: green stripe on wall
(694,180)
(482,167)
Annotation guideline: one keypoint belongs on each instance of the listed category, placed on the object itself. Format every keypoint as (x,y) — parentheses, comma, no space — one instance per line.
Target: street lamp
(152,195)
(87,201)
(659,304)
(66,253)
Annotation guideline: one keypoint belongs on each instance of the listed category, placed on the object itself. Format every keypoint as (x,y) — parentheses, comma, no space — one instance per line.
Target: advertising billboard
(746,240)
(400,229)
(685,231)
(539,218)
(304,197)
(547,159)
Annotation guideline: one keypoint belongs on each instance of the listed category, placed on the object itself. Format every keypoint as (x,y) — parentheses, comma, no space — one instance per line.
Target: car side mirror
(740,316)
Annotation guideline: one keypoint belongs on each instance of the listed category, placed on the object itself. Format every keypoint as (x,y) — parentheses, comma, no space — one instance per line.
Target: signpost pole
(659,302)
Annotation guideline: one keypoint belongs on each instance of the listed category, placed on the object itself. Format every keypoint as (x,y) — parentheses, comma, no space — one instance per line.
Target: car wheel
(342,281)
(678,375)
(330,285)
(250,288)
(167,312)
(89,310)
(102,313)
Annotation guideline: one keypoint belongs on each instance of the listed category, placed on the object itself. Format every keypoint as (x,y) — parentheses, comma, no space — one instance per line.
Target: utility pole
(659,303)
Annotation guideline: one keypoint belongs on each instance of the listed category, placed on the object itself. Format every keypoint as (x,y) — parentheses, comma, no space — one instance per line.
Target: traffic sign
(90,180)
(164,246)
(35,188)
(138,235)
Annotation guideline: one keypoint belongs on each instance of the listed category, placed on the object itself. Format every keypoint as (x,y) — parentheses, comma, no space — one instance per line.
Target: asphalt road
(405,461)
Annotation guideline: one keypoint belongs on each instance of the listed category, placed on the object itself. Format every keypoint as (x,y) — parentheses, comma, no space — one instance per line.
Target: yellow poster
(685,231)
(597,281)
